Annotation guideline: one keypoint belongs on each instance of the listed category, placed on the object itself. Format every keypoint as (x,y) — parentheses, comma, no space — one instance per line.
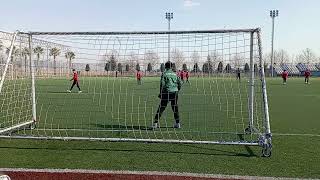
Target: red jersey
(284,74)
(75,76)
(139,75)
(187,74)
(307,74)
(182,74)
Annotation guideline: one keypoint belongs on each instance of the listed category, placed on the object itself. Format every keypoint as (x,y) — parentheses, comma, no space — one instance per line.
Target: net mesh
(213,104)
(15,96)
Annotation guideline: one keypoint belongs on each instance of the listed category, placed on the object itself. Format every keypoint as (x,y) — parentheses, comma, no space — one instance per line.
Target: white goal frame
(265,137)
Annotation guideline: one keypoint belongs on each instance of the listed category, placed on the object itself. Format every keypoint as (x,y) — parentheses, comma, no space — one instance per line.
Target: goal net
(15,85)
(223,98)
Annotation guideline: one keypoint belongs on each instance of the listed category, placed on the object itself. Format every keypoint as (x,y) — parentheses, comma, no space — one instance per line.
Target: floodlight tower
(273,14)
(169,16)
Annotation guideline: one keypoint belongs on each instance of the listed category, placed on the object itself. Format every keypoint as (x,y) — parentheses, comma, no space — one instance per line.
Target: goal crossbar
(143,32)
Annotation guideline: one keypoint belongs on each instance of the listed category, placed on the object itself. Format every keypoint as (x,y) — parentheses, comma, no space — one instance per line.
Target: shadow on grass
(120,127)
(125,127)
(169,150)
(248,149)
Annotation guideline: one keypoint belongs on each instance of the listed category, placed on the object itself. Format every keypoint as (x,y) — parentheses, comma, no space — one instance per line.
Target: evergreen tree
(119,67)
(162,68)
(184,67)
(127,67)
(196,68)
(107,67)
(87,68)
(228,68)
(246,68)
(149,68)
(220,67)
(138,67)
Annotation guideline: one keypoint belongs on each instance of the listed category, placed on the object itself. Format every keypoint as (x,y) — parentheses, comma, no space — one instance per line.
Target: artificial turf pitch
(294,123)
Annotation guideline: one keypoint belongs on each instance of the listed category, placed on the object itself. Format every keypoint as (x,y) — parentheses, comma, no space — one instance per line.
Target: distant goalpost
(215,106)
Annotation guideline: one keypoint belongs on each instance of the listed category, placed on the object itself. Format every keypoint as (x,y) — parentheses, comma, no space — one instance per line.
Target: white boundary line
(289,134)
(150,173)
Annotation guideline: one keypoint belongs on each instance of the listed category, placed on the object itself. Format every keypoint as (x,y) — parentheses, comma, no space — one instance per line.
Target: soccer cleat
(69,91)
(80,92)
(177,125)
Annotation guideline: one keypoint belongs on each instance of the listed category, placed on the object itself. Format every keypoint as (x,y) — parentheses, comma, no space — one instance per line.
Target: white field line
(289,134)
(151,173)
(173,131)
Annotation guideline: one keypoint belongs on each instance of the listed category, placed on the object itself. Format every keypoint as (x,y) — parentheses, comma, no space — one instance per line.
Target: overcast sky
(297,27)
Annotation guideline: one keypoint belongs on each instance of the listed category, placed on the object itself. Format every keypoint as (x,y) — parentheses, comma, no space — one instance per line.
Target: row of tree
(282,56)
(132,61)
(206,68)
(38,51)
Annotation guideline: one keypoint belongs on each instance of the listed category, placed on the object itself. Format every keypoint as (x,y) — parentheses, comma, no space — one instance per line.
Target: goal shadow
(188,149)
(126,127)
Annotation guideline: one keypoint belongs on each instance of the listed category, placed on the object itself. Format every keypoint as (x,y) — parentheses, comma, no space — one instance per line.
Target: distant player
(284,76)
(181,75)
(139,77)
(238,74)
(75,80)
(307,75)
(187,77)
(170,85)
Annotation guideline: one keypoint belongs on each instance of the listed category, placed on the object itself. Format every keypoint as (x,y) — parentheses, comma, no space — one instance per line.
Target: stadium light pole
(273,14)
(169,16)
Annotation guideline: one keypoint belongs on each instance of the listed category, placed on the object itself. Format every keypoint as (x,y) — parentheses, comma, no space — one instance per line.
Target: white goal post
(223,99)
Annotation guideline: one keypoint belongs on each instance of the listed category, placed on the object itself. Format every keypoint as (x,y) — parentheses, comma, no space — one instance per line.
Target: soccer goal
(223,99)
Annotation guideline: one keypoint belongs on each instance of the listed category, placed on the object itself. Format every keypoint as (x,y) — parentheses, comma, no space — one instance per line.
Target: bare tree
(237,61)
(215,58)
(306,56)
(132,60)
(195,57)
(1,56)
(177,57)
(152,58)
(281,56)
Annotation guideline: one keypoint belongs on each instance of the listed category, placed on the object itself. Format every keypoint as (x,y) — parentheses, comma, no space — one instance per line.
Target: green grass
(293,110)
(119,108)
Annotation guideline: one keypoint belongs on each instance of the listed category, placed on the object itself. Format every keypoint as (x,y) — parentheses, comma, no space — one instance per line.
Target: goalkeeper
(170,85)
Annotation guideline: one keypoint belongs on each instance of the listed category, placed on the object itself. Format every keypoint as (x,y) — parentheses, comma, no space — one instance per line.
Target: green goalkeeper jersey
(170,82)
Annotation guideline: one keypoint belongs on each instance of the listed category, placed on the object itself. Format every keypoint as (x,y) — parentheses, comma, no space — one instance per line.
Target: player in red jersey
(75,80)
(307,75)
(187,77)
(139,77)
(182,75)
(284,76)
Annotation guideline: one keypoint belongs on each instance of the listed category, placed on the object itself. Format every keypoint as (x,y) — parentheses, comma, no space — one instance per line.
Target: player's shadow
(57,92)
(248,149)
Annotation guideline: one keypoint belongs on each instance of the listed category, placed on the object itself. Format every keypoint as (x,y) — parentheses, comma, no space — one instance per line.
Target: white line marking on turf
(173,131)
(152,173)
(288,134)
